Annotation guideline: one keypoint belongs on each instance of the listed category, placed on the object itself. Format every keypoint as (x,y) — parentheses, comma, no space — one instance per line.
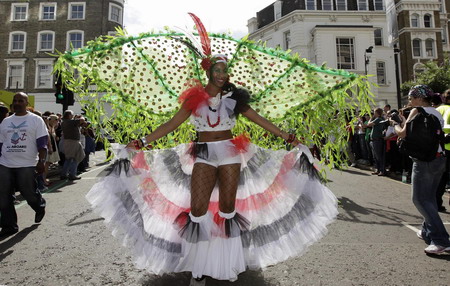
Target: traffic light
(68,95)
(63,95)
(58,90)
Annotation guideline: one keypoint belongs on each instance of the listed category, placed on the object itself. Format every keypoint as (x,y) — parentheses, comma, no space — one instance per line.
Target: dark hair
(436,99)
(378,111)
(3,109)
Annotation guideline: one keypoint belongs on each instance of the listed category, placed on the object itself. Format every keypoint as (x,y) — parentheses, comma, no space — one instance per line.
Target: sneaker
(375,173)
(436,249)
(353,165)
(419,234)
(382,174)
(39,215)
(73,178)
(195,282)
(5,232)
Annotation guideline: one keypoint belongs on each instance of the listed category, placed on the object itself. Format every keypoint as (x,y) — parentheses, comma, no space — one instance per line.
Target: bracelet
(144,141)
(42,160)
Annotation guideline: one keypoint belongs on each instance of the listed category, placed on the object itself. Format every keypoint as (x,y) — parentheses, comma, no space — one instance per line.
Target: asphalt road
(373,242)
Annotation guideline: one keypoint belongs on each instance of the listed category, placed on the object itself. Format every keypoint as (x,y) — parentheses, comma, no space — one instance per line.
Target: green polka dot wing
(128,85)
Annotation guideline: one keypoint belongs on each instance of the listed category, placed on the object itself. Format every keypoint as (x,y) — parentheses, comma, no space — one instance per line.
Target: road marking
(61,184)
(415,229)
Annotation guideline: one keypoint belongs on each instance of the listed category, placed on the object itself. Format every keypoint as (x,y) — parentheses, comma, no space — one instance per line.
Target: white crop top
(218,115)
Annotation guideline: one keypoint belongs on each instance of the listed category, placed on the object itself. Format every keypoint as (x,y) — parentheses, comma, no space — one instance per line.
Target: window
(287,39)
(444,36)
(15,73)
(417,49)
(362,5)
(427,21)
(415,20)
(17,41)
(310,4)
(345,53)
(381,73)
(19,12)
(115,13)
(48,11)
(341,5)
(378,37)
(46,40)
(327,5)
(277,6)
(378,5)
(76,10)
(75,40)
(429,48)
(44,77)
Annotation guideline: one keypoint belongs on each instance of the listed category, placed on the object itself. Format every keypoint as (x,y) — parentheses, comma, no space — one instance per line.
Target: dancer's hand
(296,142)
(134,145)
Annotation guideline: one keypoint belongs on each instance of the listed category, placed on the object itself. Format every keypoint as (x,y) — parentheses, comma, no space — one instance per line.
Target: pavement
(372,242)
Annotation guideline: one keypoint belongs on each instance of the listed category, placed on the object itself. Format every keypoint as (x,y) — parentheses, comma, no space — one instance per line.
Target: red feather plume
(206,43)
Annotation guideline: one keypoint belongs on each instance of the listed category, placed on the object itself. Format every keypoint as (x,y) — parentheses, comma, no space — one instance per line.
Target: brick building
(33,29)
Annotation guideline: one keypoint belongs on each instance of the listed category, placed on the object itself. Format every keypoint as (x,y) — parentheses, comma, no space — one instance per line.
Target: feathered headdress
(203,48)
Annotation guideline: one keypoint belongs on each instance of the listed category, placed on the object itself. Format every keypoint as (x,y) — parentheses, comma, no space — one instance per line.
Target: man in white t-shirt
(23,149)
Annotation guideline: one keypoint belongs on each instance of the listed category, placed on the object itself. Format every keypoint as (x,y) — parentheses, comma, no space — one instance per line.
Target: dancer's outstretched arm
(164,129)
(269,126)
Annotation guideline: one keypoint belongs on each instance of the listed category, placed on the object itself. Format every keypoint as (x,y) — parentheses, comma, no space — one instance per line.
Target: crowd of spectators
(373,143)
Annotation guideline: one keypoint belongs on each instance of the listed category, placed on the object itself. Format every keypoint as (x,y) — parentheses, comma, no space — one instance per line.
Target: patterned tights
(204,178)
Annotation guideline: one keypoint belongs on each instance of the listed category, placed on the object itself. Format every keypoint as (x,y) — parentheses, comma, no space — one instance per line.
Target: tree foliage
(435,75)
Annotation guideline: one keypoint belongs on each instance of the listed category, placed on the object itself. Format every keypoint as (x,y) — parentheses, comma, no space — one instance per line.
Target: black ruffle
(189,230)
(236,225)
(119,166)
(242,98)
(198,150)
(306,167)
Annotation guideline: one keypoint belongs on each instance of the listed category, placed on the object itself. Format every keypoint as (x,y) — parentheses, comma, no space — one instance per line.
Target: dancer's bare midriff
(211,136)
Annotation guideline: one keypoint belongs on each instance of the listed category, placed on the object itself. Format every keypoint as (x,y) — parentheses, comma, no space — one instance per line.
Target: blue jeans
(379,153)
(70,166)
(17,179)
(424,183)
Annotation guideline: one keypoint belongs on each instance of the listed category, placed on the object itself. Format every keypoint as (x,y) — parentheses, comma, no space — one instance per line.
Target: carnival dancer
(218,238)
(219,205)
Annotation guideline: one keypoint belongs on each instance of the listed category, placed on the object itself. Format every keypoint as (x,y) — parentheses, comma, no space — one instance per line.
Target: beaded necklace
(215,102)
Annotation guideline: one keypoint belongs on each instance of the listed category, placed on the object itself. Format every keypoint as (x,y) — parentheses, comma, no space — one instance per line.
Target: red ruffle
(218,219)
(194,97)
(241,144)
(138,161)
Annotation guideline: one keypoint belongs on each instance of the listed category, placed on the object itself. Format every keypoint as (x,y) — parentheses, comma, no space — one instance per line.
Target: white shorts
(217,153)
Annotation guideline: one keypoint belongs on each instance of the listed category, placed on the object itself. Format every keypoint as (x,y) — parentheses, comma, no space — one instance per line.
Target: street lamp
(397,76)
(366,57)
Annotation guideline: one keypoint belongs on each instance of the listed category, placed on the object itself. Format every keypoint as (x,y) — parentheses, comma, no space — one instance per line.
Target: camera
(396,117)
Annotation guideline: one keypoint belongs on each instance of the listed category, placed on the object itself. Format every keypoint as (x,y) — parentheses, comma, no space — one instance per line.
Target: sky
(217,16)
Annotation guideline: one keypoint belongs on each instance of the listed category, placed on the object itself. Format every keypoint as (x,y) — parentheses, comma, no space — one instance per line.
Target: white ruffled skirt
(282,207)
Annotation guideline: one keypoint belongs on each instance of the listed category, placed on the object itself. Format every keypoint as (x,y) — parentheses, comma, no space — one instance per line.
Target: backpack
(423,136)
